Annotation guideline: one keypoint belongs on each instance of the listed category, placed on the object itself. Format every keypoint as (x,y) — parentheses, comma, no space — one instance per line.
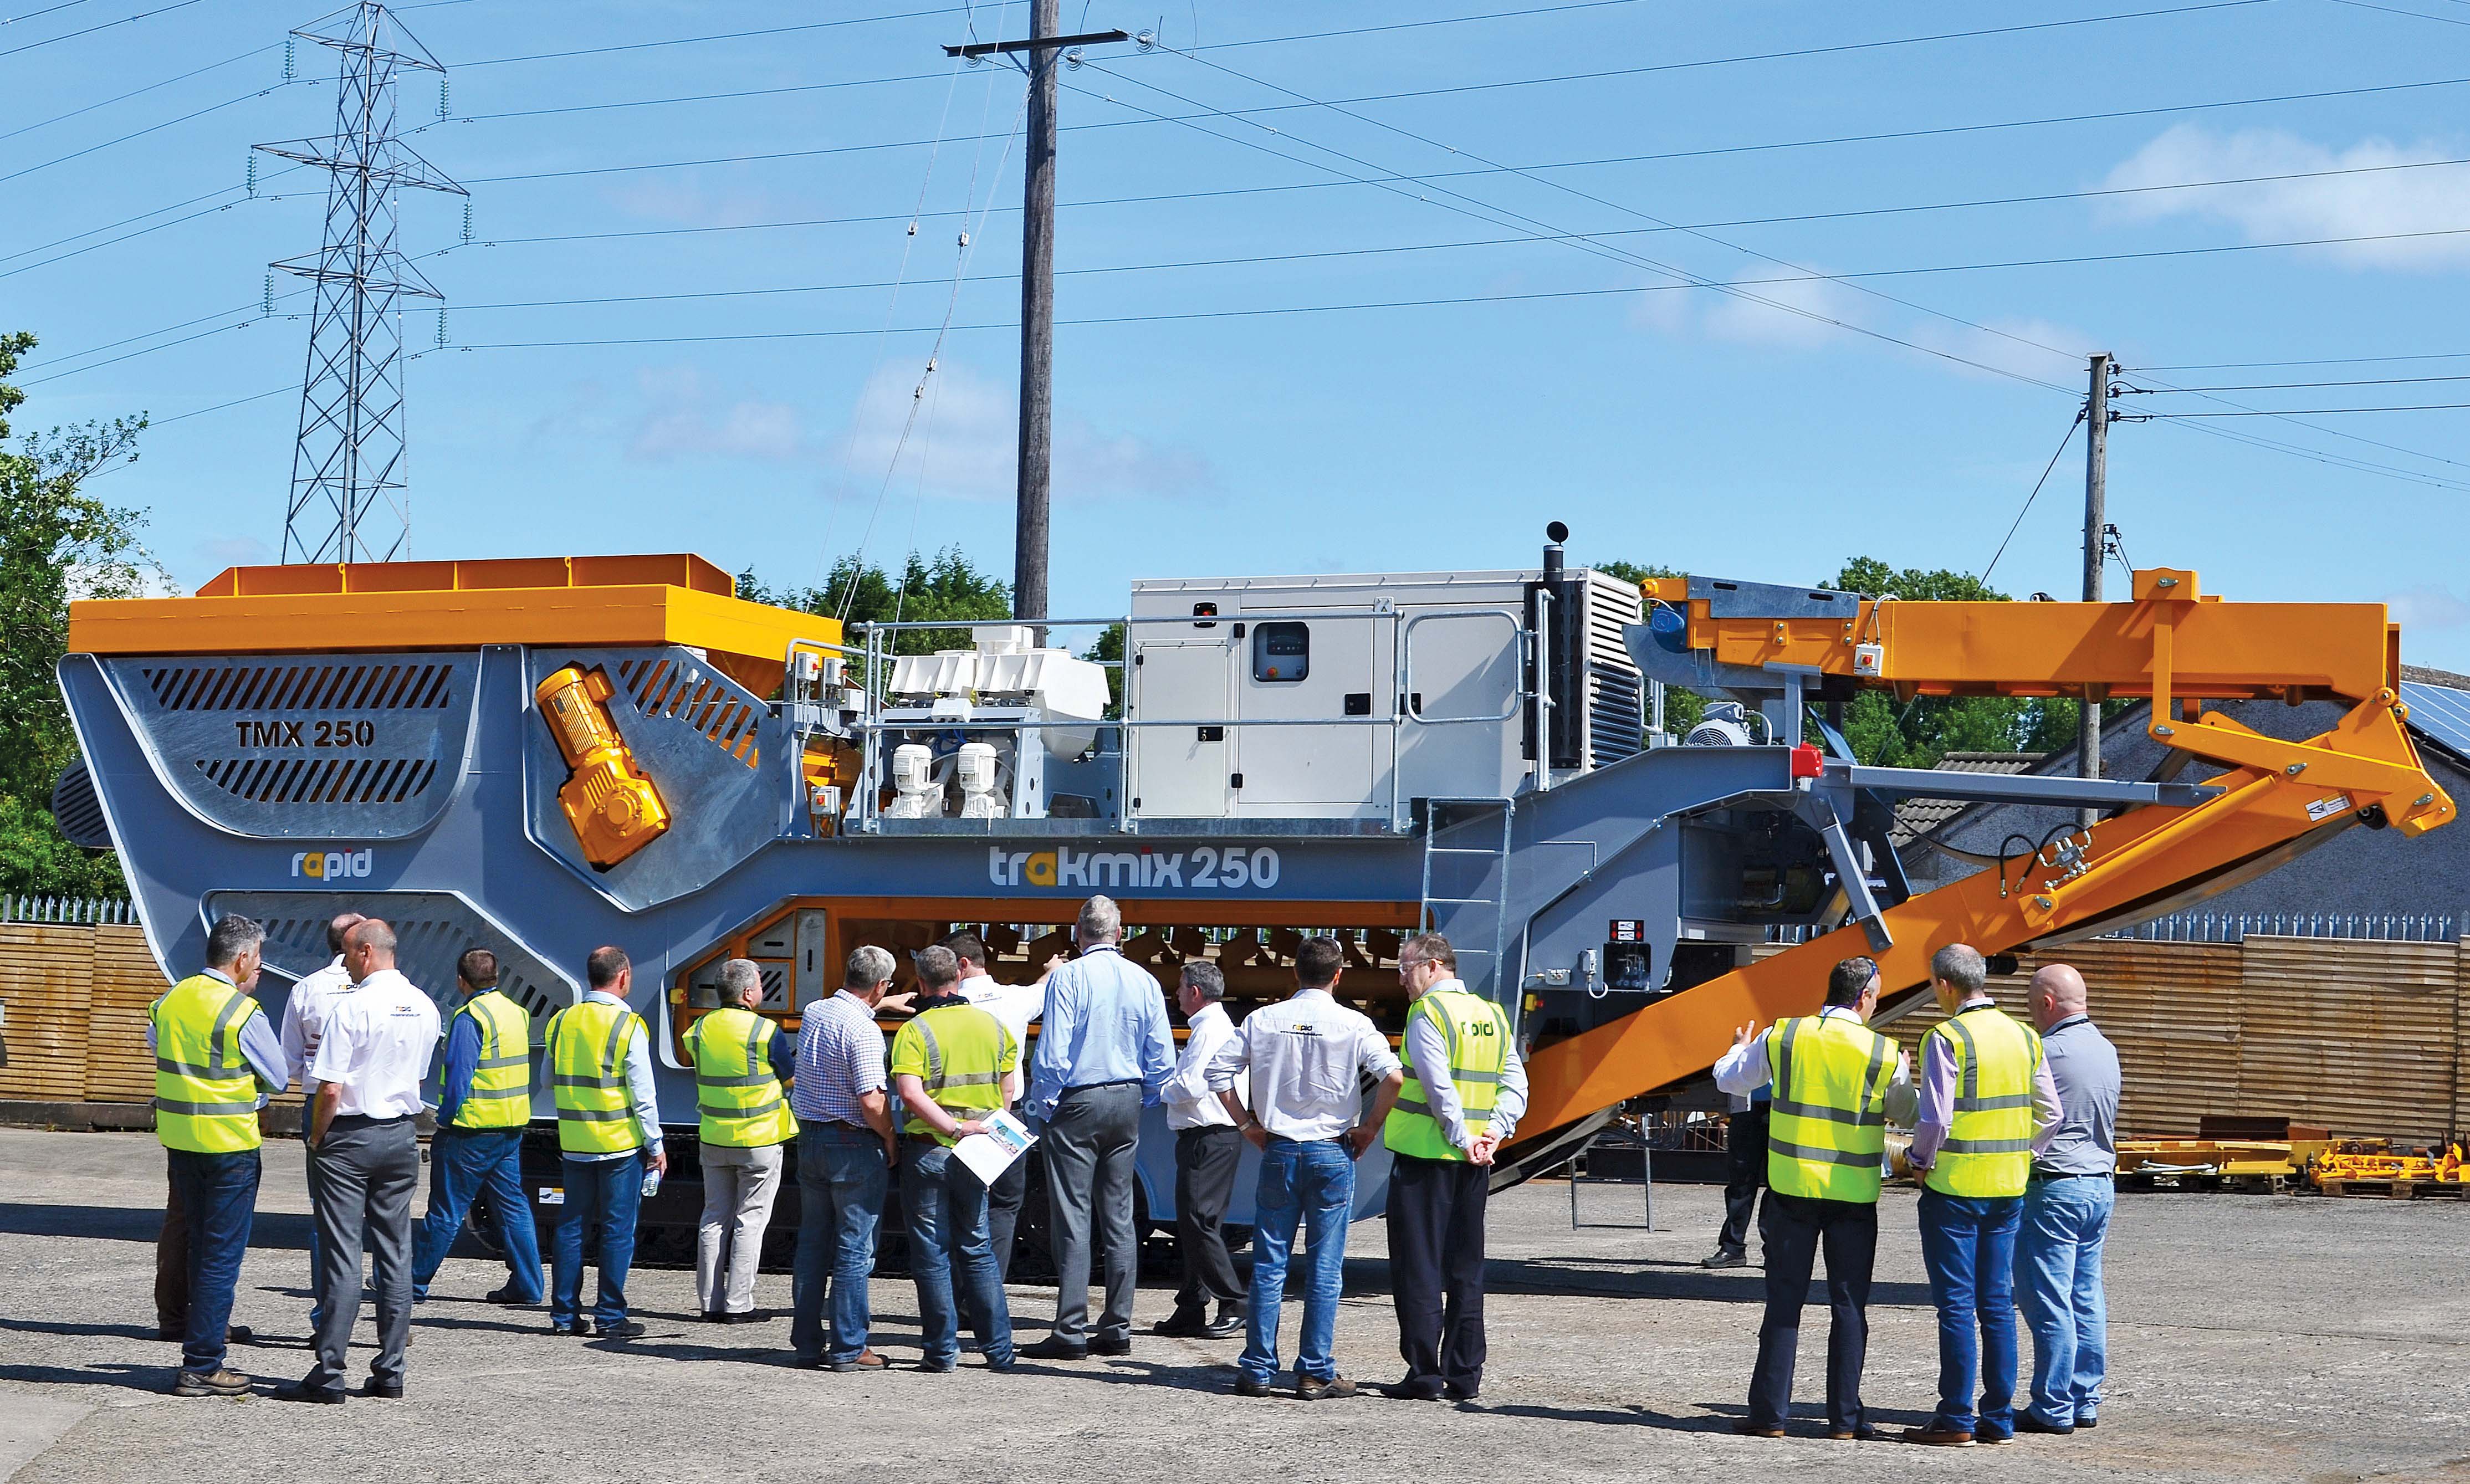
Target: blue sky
(1762,430)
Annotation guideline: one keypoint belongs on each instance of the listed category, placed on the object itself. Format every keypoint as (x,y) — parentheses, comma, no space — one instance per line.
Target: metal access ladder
(1473,856)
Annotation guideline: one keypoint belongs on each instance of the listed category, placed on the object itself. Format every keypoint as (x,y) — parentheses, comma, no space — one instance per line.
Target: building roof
(1918,817)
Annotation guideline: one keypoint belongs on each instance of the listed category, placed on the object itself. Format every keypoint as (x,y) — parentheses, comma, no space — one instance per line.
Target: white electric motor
(920,796)
(975,768)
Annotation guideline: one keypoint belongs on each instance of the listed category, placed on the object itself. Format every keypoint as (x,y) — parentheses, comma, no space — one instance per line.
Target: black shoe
(749,1316)
(1053,1349)
(2083,1423)
(1411,1391)
(932,1369)
(1248,1385)
(383,1391)
(622,1330)
(1111,1347)
(1750,1429)
(1182,1324)
(2026,1422)
(1864,1433)
(1228,1324)
(581,1329)
(1461,1393)
(302,1391)
(508,1296)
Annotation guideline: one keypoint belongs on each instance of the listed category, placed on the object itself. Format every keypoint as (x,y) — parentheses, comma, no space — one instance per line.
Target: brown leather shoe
(1750,1429)
(1312,1388)
(1938,1437)
(1865,1433)
(864,1360)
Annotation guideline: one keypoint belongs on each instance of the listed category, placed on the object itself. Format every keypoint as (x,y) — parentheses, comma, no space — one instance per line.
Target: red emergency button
(1807,761)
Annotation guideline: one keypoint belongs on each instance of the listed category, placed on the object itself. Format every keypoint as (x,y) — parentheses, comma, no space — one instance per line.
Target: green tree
(1682,708)
(56,543)
(949,587)
(1107,649)
(1918,733)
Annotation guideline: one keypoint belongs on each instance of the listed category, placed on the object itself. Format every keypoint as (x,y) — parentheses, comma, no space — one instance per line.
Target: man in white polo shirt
(305,1012)
(375,1048)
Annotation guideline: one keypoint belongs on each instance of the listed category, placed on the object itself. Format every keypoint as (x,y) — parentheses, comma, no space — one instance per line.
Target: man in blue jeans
(1986,1105)
(845,1150)
(483,1105)
(1308,1059)
(608,1133)
(2066,1212)
(955,1066)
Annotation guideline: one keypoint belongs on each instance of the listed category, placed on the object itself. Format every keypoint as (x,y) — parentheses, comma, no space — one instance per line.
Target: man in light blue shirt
(1103,1052)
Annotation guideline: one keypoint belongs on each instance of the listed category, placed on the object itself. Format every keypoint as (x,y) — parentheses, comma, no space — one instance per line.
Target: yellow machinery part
(613,807)
(830,763)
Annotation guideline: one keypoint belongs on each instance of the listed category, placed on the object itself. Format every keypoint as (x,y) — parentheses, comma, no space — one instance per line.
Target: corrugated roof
(1918,817)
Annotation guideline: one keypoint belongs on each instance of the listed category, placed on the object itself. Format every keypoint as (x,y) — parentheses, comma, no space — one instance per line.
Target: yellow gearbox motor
(615,809)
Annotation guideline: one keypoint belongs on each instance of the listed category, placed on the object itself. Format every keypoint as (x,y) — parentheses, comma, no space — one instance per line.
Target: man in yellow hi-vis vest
(1987,1105)
(484,1103)
(1826,1131)
(216,1058)
(608,1131)
(743,1122)
(1465,1088)
(954,1066)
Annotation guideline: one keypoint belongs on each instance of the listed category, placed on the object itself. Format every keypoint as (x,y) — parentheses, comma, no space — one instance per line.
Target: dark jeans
(1002,1212)
(945,1209)
(1090,1140)
(1745,1175)
(1968,1244)
(841,1181)
(1309,1185)
(462,1162)
(362,1186)
(602,1198)
(1437,1269)
(1204,1181)
(218,1196)
(1793,1229)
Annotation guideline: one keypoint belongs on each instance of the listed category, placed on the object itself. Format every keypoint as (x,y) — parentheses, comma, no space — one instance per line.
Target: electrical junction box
(1329,661)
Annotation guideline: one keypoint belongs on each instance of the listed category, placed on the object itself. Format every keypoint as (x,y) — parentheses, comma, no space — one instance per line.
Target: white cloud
(965,439)
(685,419)
(2427,608)
(1784,318)
(2383,201)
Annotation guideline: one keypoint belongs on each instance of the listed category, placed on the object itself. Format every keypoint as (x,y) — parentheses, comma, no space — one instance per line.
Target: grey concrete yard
(2252,1338)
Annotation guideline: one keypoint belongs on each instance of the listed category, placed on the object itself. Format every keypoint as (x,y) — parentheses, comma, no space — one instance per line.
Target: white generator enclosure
(1331,697)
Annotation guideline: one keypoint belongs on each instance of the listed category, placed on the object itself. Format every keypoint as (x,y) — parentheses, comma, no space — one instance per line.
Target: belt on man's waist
(364,1120)
(927,1140)
(838,1123)
(1120,1081)
(2072,1174)
(1336,1138)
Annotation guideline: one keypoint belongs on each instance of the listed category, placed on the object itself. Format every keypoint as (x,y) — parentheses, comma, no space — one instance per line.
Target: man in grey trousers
(1104,1052)
(377,1046)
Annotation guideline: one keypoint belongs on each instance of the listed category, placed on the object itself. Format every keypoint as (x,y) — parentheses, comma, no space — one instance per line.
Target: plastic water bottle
(651,1182)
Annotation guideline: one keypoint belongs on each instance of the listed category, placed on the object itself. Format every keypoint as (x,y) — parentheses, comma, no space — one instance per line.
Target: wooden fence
(2365,1037)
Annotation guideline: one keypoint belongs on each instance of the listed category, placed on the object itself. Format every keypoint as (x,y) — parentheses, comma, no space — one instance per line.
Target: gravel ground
(2252,1338)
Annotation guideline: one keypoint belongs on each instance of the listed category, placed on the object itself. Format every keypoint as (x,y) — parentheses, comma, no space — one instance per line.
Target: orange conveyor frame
(2169,643)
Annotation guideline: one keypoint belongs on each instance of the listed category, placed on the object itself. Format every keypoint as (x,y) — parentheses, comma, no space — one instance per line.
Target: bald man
(2066,1212)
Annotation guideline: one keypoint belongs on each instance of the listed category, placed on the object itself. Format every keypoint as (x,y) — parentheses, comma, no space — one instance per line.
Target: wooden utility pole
(2096,519)
(1044,48)
(1036,321)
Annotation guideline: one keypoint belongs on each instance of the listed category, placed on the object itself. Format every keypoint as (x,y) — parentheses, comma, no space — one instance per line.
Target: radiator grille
(709,705)
(312,686)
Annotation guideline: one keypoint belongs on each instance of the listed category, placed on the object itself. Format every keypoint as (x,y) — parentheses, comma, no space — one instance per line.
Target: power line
(2362,5)
(2383,380)
(71,35)
(133,92)
(2432,407)
(63,5)
(2335,360)
(2068,437)
(79,154)
(725,35)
